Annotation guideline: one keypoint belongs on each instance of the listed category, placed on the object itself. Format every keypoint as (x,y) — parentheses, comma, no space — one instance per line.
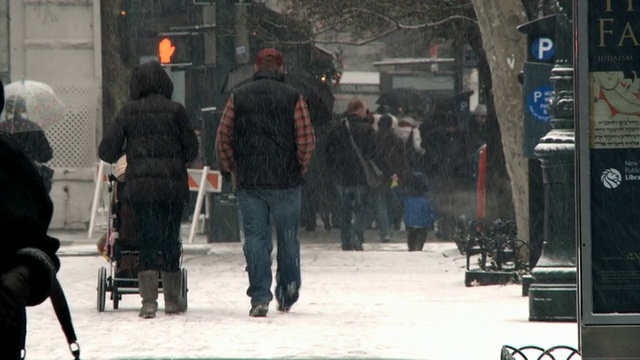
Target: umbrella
(30,106)
(405,98)
(237,77)
(316,92)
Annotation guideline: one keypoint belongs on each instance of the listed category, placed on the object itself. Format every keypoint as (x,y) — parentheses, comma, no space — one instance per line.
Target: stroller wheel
(102,288)
(116,298)
(183,300)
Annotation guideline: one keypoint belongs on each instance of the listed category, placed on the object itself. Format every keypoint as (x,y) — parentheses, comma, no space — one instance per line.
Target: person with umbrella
(31,105)
(28,260)
(265,139)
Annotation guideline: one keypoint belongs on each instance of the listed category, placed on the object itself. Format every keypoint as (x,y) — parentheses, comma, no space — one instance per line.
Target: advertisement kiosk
(608,177)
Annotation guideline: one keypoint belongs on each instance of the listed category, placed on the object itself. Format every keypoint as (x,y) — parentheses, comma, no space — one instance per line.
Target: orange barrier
(202,181)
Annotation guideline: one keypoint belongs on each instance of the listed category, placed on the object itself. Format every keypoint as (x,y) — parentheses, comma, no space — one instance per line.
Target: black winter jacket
(341,158)
(34,142)
(158,137)
(28,258)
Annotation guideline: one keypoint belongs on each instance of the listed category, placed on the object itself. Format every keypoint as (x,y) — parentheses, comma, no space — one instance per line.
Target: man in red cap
(265,140)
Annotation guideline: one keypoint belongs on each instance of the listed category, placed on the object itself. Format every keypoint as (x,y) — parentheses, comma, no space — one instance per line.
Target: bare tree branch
(357,39)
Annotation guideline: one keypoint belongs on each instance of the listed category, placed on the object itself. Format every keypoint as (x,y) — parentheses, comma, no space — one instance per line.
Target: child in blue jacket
(419,213)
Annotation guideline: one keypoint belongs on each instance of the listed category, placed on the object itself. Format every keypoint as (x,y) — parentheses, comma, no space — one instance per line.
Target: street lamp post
(552,295)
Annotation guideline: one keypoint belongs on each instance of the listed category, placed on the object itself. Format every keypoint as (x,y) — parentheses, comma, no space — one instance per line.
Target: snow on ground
(381,303)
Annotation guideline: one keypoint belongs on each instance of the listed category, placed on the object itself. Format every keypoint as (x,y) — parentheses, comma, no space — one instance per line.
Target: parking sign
(543,49)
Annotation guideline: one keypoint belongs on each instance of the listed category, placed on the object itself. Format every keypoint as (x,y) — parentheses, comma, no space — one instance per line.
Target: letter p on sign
(543,49)
(536,96)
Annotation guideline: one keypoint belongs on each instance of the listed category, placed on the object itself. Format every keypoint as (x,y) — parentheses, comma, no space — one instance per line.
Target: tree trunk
(505,49)
(499,202)
(115,74)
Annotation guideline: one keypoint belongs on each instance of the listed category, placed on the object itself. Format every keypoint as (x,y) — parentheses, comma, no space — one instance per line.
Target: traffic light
(182,48)
(166,50)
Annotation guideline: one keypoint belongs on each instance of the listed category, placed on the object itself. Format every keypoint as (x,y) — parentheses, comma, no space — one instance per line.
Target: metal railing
(532,352)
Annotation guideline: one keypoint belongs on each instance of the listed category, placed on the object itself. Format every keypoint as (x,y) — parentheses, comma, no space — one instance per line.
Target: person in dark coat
(160,142)
(478,127)
(28,260)
(30,136)
(391,157)
(448,167)
(343,163)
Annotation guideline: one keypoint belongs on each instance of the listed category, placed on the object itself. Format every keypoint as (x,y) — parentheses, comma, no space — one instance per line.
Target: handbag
(372,173)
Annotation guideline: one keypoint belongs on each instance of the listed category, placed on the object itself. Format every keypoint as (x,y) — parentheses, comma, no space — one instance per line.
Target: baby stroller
(120,248)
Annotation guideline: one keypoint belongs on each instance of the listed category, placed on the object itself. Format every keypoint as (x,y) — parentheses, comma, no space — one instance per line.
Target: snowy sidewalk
(383,303)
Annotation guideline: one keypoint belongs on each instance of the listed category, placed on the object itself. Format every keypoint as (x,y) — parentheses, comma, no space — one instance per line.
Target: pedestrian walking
(160,142)
(419,213)
(478,127)
(391,157)
(265,139)
(29,135)
(448,164)
(316,191)
(28,261)
(343,162)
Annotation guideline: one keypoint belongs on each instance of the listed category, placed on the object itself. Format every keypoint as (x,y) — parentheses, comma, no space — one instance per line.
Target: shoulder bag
(372,173)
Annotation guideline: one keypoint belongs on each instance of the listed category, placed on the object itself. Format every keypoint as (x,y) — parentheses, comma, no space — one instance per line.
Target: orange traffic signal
(165,51)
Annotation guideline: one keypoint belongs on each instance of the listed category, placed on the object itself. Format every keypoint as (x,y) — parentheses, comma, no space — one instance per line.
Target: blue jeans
(352,205)
(258,208)
(379,199)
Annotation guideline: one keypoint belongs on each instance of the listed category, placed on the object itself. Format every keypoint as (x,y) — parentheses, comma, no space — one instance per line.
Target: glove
(16,283)
(38,270)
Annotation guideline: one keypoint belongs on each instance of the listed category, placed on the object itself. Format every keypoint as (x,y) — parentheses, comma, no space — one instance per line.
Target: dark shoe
(386,239)
(357,246)
(347,247)
(286,296)
(260,310)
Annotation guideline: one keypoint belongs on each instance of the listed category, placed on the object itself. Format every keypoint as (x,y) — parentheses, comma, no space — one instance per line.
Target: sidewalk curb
(71,249)
(83,248)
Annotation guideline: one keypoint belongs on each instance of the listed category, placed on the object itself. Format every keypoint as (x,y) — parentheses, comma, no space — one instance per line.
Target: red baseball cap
(264,53)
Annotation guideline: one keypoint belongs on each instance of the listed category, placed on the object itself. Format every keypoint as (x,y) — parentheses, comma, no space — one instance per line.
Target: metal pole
(552,296)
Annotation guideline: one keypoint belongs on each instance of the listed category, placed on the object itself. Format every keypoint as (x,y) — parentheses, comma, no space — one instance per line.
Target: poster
(614,143)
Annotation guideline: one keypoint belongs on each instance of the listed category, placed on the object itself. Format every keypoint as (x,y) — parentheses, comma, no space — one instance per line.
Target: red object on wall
(434,51)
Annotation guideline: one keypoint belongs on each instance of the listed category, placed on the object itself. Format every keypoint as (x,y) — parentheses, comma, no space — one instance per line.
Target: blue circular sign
(543,48)
(538,102)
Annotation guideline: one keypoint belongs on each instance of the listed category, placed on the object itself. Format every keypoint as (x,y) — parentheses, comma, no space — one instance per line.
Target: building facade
(57,42)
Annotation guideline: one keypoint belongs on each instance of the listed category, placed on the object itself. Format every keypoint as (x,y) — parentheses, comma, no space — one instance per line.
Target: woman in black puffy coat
(28,260)
(160,142)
